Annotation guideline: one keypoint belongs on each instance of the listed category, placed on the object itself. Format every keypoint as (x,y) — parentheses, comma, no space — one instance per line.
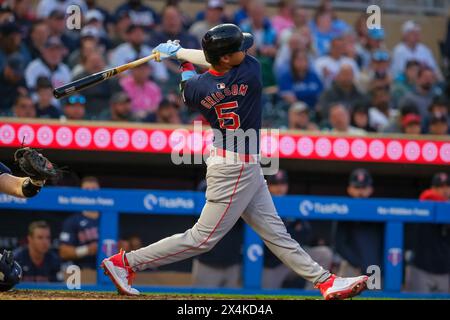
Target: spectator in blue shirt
(300,82)
(38,263)
(264,48)
(242,13)
(324,30)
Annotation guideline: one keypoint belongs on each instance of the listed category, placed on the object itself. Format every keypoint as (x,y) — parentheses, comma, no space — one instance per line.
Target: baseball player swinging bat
(229,98)
(96,78)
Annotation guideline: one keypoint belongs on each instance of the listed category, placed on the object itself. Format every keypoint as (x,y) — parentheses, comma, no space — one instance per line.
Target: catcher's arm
(12,185)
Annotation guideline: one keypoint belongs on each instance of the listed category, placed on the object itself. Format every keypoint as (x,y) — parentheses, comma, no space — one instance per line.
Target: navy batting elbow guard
(4,169)
(29,189)
(10,271)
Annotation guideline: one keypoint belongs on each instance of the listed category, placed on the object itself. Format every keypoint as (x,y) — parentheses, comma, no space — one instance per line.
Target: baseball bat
(96,78)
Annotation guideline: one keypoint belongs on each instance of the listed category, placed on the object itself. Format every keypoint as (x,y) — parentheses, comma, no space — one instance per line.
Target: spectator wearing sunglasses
(74,107)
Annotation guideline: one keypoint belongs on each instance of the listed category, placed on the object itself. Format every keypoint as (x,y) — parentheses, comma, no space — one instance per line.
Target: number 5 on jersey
(234,120)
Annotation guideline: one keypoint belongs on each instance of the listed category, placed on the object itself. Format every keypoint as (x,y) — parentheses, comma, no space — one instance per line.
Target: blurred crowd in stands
(319,72)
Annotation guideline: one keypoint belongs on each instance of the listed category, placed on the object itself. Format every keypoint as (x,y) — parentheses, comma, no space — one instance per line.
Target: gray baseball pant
(234,190)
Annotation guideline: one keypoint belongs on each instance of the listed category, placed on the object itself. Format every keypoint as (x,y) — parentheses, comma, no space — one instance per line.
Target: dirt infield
(92,295)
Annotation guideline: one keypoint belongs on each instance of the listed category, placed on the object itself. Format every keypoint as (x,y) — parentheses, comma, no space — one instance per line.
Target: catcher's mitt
(35,165)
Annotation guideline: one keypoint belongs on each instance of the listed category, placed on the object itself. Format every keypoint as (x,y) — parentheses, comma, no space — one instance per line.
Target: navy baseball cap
(440,179)
(279,178)
(360,178)
(16,63)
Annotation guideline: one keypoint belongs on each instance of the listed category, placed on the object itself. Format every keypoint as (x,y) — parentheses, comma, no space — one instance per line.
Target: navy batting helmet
(224,39)
(10,271)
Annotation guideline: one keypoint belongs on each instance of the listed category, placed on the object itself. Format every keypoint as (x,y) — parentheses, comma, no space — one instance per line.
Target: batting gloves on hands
(167,50)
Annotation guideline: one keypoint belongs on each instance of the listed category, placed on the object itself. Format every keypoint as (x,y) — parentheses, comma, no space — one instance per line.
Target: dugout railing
(113,202)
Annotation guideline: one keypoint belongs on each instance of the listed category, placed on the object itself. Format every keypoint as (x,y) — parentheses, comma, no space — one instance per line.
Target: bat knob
(57,94)
(60,93)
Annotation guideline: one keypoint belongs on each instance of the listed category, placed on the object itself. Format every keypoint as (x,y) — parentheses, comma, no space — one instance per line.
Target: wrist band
(29,189)
(82,251)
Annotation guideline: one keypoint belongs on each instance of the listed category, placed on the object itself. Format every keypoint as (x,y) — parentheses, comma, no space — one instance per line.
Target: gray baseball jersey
(231,101)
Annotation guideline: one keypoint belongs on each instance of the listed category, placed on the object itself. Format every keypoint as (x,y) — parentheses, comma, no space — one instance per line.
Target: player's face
(364,192)
(39,241)
(279,189)
(90,185)
(236,58)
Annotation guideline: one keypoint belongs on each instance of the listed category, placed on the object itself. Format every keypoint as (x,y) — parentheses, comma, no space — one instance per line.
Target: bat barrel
(84,83)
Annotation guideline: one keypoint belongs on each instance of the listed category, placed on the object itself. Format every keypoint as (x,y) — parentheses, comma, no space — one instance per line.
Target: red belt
(223,153)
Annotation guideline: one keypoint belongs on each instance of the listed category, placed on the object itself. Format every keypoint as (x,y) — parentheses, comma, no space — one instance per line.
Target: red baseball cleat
(337,288)
(117,269)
